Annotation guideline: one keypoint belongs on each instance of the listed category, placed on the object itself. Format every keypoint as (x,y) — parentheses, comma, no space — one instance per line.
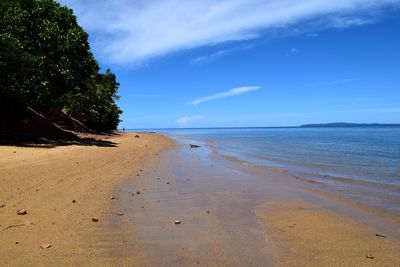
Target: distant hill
(345,124)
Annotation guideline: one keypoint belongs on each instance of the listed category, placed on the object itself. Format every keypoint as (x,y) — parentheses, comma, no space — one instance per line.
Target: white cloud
(132,32)
(232,92)
(185,121)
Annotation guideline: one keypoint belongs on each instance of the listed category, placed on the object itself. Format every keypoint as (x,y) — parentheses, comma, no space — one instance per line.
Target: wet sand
(237,215)
(45,181)
(231,214)
(311,235)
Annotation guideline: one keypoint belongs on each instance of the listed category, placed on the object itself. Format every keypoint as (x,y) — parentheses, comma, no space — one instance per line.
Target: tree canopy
(46,64)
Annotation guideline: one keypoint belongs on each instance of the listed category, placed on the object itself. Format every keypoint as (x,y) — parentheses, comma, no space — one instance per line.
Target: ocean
(361,153)
(360,162)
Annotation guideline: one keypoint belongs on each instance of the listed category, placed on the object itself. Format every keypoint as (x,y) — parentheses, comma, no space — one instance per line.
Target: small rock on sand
(73,201)
(2,205)
(137,136)
(95,219)
(45,246)
(369,256)
(177,222)
(138,193)
(112,197)
(22,212)
(120,214)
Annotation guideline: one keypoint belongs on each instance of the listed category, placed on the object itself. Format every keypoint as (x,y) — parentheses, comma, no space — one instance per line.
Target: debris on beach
(45,246)
(194,146)
(22,212)
(138,193)
(177,222)
(137,136)
(120,214)
(95,219)
(73,201)
(2,205)
(379,235)
(167,182)
(369,256)
(26,223)
(208,211)
(112,197)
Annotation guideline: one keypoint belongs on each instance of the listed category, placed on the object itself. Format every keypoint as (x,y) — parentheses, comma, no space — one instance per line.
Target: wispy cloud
(211,57)
(126,31)
(185,121)
(232,92)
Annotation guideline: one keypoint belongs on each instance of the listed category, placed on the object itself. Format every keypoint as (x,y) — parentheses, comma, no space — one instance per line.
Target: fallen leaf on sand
(45,246)
(22,212)
(369,256)
(26,223)
(379,235)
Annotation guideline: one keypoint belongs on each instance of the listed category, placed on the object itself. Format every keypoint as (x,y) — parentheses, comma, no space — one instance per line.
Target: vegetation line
(46,65)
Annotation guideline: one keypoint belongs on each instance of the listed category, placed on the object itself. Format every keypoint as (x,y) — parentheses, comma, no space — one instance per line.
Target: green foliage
(46,63)
(96,108)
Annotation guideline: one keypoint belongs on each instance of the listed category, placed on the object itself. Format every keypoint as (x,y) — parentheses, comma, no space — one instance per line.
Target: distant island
(345,124)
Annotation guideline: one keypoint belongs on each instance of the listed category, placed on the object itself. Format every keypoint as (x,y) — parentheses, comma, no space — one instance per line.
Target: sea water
(370,154)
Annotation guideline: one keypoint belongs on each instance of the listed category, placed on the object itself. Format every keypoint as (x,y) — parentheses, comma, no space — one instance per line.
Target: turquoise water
(364,154)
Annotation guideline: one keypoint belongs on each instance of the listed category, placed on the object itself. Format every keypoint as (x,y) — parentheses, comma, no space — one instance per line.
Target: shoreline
(226,207)
(327,190)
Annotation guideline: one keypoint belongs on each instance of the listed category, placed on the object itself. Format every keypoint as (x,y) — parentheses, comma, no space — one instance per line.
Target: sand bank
(310,235)
(62,189)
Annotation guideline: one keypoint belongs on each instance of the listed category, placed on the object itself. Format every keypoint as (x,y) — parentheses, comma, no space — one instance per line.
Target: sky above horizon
(215,63)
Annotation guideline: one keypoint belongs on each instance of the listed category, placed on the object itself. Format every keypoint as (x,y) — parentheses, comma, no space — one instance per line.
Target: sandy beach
(62,189)
(229,214)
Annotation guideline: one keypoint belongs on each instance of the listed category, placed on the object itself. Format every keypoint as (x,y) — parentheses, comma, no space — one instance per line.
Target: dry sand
(46,181)
(310,235)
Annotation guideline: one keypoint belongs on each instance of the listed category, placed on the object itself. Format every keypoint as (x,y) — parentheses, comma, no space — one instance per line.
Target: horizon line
(260,127)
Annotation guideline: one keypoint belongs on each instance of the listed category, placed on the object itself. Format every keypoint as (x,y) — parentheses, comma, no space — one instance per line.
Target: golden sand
(309,235)
(62,189)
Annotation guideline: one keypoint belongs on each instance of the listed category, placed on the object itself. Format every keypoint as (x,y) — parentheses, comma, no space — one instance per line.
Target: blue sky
(248,63)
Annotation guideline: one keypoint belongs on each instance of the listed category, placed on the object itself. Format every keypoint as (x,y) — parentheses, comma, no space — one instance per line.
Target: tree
(46,63)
